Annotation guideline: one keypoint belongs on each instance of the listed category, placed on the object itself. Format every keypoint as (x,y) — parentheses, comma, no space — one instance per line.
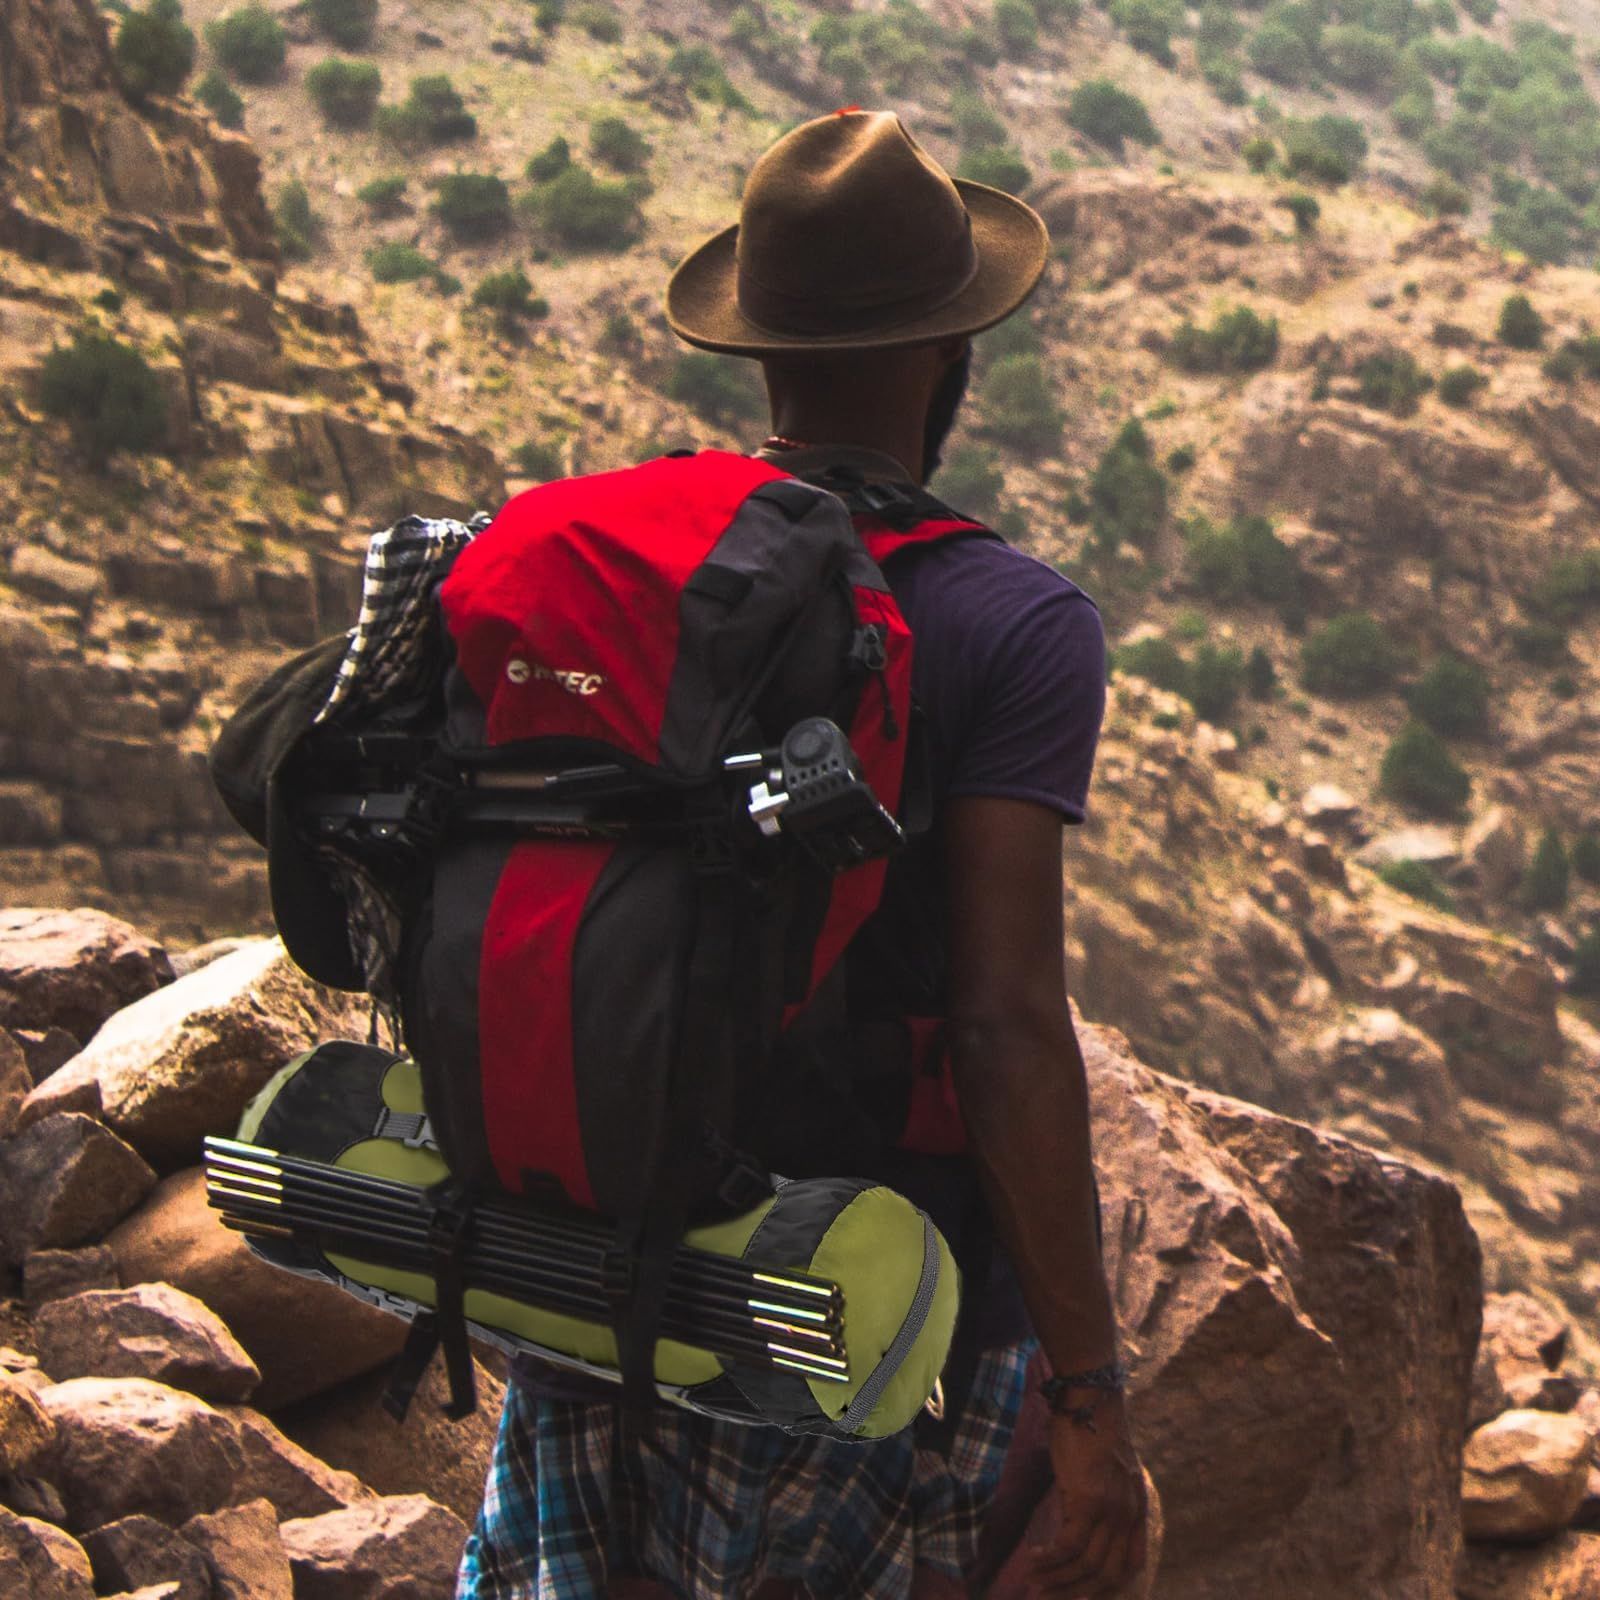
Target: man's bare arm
(1020,1083)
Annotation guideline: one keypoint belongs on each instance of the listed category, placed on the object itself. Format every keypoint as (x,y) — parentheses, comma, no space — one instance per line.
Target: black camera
(817,795)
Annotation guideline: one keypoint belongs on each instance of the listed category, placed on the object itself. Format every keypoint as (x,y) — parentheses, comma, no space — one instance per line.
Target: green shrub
(1259,153)
(1237,341)
(299,228)
(510,297)
(221,99)
(548,15)
(1360,59)
(250,43)
(155,50)
(1457,148)
(1520,324)
(1452,697)
(473,206)
(1413,114)
(538,460)
(1304,209)
(1419,880)
(1545,226)
(1216,677)
(1392,381)
(1219,27)
(1017,27)
(347,23)
(1457,385)
(598,20)
(1019,405)
(1569,587)
(1150,25)
(1329,148)
(432,113)
(1585,856)
(1181,458)
(1000,167)
(722,389)
(1576,358)
(976,125)
(1444,197)
(1481,11)
(1100,111)
(1016,336)
(1419,772)
(1279,53)
(971,481)
(550,162)
(1541,644)
(1545,883)
(384,197)
(619,145)
(1128,492)
(1225,76)
(1157,661)
(346,92)
(399,263)
(584,212)
(1583,978)
(107,392)
(1260,676)
(1348,657)
(697,68)
(1246,560)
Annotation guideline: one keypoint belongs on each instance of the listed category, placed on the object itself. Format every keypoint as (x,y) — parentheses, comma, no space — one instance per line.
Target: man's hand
(1100,1541)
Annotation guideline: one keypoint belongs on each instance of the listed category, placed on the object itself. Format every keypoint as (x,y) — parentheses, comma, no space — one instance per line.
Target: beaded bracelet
(1112,1376)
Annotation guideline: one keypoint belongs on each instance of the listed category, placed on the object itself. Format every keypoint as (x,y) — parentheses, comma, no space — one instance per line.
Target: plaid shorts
(713,1509)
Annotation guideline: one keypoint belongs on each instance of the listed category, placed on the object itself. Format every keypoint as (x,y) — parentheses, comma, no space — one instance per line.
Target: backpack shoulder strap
(891,517)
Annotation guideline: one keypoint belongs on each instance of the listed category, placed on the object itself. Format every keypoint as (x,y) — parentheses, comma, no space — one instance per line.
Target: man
(858,273)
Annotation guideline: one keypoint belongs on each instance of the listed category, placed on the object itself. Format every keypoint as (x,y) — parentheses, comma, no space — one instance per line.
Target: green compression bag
(336,1150)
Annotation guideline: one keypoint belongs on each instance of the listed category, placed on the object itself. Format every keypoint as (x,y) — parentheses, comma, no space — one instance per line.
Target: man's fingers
(1066,1570)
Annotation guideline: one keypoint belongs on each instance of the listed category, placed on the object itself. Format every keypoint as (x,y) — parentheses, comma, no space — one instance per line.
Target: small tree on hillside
(346,92)
(473,206)
(1101,111)
(154,50)
(1348,657)
(1019,405)
(221,99)
(1520,324)
(1545,883)
(250,43)
(1419,771)
(1452,697)
(107,392)
(346,23)
(1128,492)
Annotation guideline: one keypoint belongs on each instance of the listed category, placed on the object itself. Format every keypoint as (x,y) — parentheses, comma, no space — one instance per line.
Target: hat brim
(1012,245)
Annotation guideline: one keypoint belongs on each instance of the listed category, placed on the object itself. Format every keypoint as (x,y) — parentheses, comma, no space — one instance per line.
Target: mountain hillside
(1309,400)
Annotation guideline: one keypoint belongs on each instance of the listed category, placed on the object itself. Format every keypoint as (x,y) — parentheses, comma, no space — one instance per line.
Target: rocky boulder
(1566,1568)
(40,1562)
(293,1481)
(64,1181)
(72,969)
(1526,1473)
(305,1337)
(127,1446)
(26,1431)
(149,1331)
(135,1551)
(401,1547)
(1300,1316)
(242,1552)
(184,1062)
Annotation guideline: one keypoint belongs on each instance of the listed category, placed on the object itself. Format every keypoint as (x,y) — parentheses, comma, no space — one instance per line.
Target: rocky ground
(1301,1316)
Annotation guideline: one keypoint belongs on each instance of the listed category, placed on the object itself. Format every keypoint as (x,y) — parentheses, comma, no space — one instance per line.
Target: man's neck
(906,448)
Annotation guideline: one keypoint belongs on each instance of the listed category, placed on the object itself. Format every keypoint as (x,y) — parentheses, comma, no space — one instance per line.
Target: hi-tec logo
(572,679)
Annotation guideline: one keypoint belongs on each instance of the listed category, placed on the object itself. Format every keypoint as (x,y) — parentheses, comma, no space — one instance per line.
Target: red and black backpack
(663,751)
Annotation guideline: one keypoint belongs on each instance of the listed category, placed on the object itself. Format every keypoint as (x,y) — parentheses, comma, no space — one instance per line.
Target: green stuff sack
(358,1109)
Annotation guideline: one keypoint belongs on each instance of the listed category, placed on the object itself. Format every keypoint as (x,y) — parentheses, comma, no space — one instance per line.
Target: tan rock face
(128,1446)
(65,1180)
(26,1431)
(1280,1300)
(40,1562)
(72,969)
(304,1337)
(402,1544)
(149,1331)
(185,1061)
(243,1553)
(137,1551)
(1565,1568)
(292,1480)
(1525,1475)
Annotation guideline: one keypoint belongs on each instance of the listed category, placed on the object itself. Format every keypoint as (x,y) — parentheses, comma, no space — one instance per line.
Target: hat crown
(848,223)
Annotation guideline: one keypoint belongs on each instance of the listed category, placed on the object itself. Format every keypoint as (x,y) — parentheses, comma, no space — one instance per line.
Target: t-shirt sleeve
(1035,694)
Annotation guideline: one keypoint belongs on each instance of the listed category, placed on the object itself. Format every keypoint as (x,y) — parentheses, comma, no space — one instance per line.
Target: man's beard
(943,409)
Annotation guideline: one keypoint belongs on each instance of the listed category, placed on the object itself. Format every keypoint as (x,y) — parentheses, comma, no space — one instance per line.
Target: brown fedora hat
(852,237)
